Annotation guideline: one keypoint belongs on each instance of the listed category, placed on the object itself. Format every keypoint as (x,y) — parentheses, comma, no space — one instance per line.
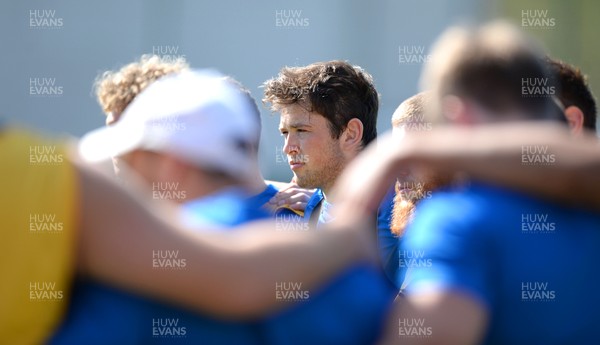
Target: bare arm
(506,155)
(491,153)
(228,273)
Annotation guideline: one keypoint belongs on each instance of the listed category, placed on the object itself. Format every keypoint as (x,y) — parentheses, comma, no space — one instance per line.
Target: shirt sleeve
(37,198)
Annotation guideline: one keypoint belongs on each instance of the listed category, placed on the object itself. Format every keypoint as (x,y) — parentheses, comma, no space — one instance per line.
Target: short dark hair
(574,90)
(335,89)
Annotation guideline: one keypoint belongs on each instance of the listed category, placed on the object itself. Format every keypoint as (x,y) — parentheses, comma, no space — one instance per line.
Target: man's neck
(326,189)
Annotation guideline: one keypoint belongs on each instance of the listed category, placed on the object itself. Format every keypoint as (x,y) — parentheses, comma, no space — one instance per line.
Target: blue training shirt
(313,203)
(532,264)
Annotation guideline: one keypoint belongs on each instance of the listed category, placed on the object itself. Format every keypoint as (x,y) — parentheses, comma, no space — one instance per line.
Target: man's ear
(351,138)
(574,117)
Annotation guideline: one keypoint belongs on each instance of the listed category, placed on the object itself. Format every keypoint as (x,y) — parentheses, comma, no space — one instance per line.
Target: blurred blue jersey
(532,264)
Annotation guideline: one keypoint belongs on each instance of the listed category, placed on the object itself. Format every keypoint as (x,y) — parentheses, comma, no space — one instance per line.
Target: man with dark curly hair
(328,114)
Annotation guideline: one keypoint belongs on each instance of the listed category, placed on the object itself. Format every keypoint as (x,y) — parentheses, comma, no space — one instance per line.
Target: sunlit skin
(154,169)
(316,159)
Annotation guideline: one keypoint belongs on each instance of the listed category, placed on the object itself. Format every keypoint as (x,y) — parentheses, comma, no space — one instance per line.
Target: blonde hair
(411,110)
(116,89)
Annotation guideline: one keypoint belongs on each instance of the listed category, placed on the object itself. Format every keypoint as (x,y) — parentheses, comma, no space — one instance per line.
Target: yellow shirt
(37,236)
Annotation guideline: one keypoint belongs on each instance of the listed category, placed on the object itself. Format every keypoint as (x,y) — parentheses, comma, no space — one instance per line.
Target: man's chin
(302,183)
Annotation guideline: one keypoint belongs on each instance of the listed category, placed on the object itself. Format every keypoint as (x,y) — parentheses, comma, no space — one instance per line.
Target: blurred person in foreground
(176,130)
(573,92)
(488,269)
(67,217)
(580,112)
(116,90)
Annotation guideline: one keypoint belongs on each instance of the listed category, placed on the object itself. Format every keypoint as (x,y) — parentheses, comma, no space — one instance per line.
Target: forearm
(265,257)
(570,177)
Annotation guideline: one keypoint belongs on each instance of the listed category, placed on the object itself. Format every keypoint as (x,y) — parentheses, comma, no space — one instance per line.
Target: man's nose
(291,145)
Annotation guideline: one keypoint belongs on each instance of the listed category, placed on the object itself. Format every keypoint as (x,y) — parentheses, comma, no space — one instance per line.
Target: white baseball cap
(196,115)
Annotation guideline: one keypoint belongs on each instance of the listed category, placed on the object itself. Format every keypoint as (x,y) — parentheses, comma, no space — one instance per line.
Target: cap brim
(104,143)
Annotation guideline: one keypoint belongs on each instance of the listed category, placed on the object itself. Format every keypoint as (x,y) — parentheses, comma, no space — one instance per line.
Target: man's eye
(284,133)
(302,130)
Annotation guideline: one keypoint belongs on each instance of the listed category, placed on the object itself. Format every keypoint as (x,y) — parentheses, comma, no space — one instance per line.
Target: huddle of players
(461,258)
